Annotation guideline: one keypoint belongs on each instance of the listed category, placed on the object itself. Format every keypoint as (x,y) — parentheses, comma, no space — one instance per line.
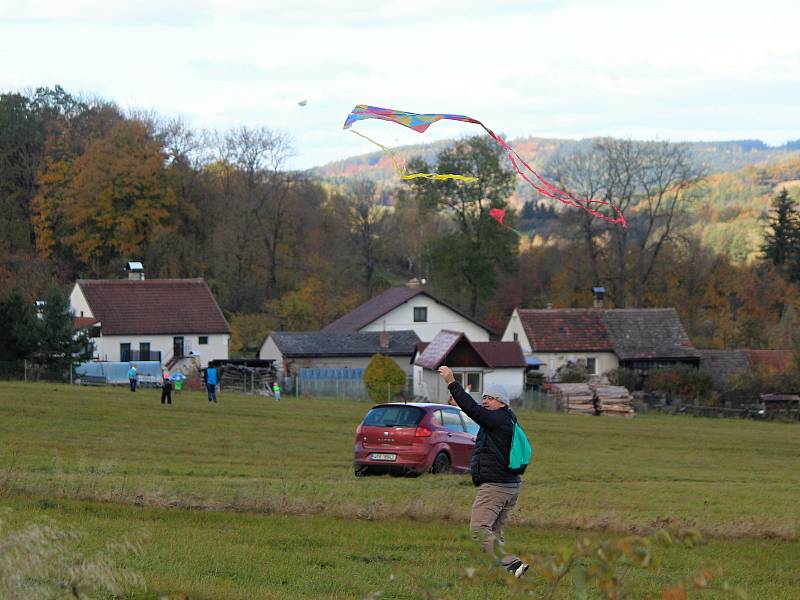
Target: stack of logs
(594,399)
(253,380)
(613,400)
(576,398)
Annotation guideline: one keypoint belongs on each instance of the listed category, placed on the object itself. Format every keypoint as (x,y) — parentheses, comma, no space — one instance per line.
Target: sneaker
(517,568)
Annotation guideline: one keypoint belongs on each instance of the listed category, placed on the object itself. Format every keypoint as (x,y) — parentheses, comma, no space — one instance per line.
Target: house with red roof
(475,365)
(139,319)
(601,339)
(409,308)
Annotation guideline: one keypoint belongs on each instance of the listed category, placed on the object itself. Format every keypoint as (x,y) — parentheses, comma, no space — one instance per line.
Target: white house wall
(78,303)
(429,384)
(439,317)
(107,346)
(605,361)
(270,351)
(510,379)
(515,327)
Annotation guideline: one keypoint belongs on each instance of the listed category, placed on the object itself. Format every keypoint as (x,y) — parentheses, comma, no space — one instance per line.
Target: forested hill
(728,209)
(713,157)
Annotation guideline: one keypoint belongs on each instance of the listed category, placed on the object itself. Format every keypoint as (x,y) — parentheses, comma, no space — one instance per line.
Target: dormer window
(420,314)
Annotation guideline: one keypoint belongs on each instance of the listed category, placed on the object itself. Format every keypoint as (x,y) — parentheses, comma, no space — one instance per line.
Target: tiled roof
(501,355)
(496,355)
(83,322)
(153,306)
(434,355)
(637,333)
(385,302)
(326,343)
(769,360)
(565,330)
(641,333)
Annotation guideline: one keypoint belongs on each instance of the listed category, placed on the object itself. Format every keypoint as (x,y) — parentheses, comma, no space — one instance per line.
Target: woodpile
(254,380)
(594,399)
(575,398)
(613,400)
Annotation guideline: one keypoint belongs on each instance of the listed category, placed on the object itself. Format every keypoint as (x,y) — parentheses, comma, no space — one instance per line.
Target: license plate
(384,456)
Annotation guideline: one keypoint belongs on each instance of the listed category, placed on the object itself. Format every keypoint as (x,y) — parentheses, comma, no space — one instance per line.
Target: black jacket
(487,465)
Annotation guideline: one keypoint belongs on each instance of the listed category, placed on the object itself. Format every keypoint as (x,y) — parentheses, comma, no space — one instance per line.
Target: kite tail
(545,188)
(403,173)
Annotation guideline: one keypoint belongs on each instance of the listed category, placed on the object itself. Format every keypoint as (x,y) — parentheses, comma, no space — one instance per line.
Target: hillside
(729,206)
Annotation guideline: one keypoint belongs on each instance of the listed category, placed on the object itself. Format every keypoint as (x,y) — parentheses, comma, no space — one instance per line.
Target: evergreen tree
(18,327)
(782,239)
(59,345)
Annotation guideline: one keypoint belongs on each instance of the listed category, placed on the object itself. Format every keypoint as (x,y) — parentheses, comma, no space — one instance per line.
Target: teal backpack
(520,455)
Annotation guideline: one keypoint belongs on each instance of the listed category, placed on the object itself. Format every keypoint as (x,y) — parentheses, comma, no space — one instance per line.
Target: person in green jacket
(276,390)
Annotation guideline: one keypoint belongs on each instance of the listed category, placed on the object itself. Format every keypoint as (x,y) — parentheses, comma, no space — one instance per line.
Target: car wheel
(441,464)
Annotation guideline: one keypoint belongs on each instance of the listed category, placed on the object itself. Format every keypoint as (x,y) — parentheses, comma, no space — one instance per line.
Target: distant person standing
(211,383)
(276,390)
(133,377)
(166,389)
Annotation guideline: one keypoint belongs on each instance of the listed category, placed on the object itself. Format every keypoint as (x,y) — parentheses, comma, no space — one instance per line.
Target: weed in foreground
(590,564)
(41,560)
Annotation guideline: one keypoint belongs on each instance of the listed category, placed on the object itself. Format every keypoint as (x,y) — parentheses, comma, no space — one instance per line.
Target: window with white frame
(469,380)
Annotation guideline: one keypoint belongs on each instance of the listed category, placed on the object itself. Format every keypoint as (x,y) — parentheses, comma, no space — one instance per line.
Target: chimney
(598,293)
(384,340)
(413,283)
(135,271)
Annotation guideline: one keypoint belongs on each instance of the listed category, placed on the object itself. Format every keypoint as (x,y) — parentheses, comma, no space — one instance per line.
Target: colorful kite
(421,122)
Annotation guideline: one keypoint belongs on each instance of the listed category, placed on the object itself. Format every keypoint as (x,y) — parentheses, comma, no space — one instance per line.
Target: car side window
(437,418)
(471,426)
(452,420)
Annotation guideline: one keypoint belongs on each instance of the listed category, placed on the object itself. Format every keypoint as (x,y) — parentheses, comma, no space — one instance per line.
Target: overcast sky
(677,70)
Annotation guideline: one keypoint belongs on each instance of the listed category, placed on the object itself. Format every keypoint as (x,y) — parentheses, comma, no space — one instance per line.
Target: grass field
(284,517)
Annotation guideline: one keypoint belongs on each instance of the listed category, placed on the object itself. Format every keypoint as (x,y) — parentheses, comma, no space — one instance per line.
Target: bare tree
(648,182)
(365,216)
(584,174)
(665,173)
(259,156)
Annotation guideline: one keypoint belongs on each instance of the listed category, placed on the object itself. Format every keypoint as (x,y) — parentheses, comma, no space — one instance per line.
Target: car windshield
(394,416)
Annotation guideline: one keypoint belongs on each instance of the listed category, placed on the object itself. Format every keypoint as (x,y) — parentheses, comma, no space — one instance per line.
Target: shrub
(384,379)
(627,378)
(572,372)
(682,381)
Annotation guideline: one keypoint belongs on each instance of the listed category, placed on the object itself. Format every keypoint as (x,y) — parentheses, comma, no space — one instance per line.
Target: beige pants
(490,513)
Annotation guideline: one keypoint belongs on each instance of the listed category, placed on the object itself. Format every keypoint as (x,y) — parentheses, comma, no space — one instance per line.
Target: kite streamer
(421,122)
(403,172)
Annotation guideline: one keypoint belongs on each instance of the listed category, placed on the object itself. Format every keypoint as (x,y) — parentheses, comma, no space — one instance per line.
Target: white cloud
(686,70)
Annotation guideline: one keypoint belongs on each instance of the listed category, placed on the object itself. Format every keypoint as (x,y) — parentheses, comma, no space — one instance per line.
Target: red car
(414,438)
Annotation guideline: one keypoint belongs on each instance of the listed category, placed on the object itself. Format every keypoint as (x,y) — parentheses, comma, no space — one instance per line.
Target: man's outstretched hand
(446,374)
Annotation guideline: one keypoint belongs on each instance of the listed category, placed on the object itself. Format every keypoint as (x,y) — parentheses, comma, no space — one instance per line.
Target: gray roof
(324,343)
(648,333)
(721,364)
